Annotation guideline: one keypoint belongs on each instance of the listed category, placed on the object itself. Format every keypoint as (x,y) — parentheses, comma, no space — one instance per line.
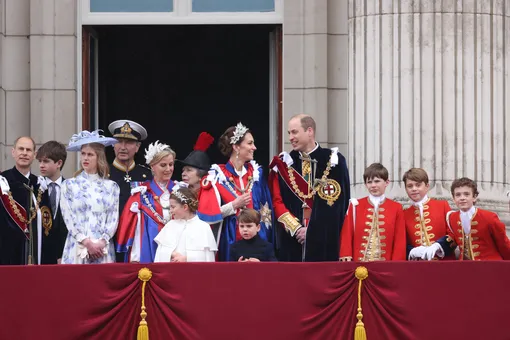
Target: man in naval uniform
(124,170)
(311,191)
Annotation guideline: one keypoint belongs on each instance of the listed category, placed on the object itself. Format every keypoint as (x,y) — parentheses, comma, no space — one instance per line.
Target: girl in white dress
(185,238)
(90,203)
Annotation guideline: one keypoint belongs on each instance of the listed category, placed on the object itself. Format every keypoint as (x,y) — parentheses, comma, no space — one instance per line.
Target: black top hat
(198,157)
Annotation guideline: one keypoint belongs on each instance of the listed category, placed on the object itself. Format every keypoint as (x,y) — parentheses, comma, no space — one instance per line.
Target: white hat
(127,129)
(86,137)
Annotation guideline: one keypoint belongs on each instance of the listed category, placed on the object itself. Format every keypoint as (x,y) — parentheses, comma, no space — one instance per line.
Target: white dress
(90,208)
(192,238)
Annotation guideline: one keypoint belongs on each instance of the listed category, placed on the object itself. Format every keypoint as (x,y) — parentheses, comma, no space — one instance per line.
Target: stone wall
(315,74)
(37,74)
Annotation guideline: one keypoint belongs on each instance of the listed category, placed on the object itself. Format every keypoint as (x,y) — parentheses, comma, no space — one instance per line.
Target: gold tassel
(361,273)
(143,329)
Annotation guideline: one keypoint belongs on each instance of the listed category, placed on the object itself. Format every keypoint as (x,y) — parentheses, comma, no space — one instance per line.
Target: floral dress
(90,207)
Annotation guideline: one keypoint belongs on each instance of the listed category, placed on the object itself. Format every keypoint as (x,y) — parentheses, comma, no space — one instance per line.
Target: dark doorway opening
(178,81)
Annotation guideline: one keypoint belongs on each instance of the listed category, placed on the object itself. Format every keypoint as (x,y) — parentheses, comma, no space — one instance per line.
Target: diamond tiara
(239,132)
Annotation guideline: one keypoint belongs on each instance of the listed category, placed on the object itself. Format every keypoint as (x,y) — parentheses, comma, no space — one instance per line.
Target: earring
(237,155)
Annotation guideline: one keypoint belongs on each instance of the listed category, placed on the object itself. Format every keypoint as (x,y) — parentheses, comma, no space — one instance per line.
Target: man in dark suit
(52,156)
(124,170)
(19,244)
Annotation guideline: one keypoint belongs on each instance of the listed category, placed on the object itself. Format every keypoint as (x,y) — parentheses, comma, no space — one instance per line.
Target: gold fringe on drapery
(361,274)
(143,329)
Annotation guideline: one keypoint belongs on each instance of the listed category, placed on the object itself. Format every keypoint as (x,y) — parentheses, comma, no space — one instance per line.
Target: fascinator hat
(87,137)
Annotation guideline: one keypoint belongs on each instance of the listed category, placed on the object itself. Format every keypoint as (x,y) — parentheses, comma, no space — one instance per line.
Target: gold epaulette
(290,223)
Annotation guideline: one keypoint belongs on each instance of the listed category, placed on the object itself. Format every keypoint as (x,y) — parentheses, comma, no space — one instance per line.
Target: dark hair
(464,182)
(416,174)
(53,150)
(375,170)
(249,216)
(224,145)
(190,198)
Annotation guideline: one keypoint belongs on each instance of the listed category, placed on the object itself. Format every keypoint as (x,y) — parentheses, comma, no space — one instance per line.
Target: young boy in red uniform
(374,228)
(478,233)
(426,218)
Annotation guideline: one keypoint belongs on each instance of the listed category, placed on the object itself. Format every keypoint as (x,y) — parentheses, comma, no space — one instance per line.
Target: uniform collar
(121,166)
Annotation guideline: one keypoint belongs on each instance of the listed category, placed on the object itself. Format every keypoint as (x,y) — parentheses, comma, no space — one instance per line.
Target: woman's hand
(95,249)
(242,201)
(177,257)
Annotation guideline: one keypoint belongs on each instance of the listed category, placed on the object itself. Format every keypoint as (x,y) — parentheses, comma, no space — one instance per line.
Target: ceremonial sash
(14,217)
(299,181)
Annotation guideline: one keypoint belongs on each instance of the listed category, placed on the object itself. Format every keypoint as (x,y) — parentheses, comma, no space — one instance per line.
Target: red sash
(8,208)
(302,184)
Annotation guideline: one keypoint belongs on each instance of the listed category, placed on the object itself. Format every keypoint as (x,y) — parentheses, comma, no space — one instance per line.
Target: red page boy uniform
(374,230)
(425,224)
(479,234)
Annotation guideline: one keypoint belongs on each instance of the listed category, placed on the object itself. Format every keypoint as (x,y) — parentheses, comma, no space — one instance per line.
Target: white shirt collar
(57,182)
(420,204)
(468,213)
(465,218)
(27,175)
(242,172)
(376,200)
(316,146)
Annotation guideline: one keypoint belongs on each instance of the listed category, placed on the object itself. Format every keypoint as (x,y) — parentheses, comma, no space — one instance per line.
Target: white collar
(27,175)
(57,182)
(376,200)
(421,202)
(307,153)
(469,214)
(242,172)
(465,219)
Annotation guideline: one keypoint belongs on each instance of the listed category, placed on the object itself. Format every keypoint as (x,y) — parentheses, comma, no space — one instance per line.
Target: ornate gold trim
(296,189)
(33,211)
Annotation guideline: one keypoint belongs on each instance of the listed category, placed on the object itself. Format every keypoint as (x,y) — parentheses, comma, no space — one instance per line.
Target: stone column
(429,87)
(14,75)
(53,72)
(315,67)
(37,74)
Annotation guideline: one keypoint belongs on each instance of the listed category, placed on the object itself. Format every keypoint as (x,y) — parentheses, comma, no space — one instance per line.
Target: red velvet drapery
(400,300)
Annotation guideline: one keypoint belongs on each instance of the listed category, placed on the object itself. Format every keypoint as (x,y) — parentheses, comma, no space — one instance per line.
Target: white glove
(417,253)
(431,251)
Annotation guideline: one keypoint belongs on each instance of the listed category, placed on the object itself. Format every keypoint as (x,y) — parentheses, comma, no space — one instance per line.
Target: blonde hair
(162,154)
(103,169)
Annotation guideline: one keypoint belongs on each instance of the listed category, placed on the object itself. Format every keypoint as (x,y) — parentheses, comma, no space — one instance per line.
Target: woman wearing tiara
(148,209)
(233,186)
(90,203)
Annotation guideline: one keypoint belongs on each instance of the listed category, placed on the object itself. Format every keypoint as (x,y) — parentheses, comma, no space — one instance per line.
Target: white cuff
(227,210)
